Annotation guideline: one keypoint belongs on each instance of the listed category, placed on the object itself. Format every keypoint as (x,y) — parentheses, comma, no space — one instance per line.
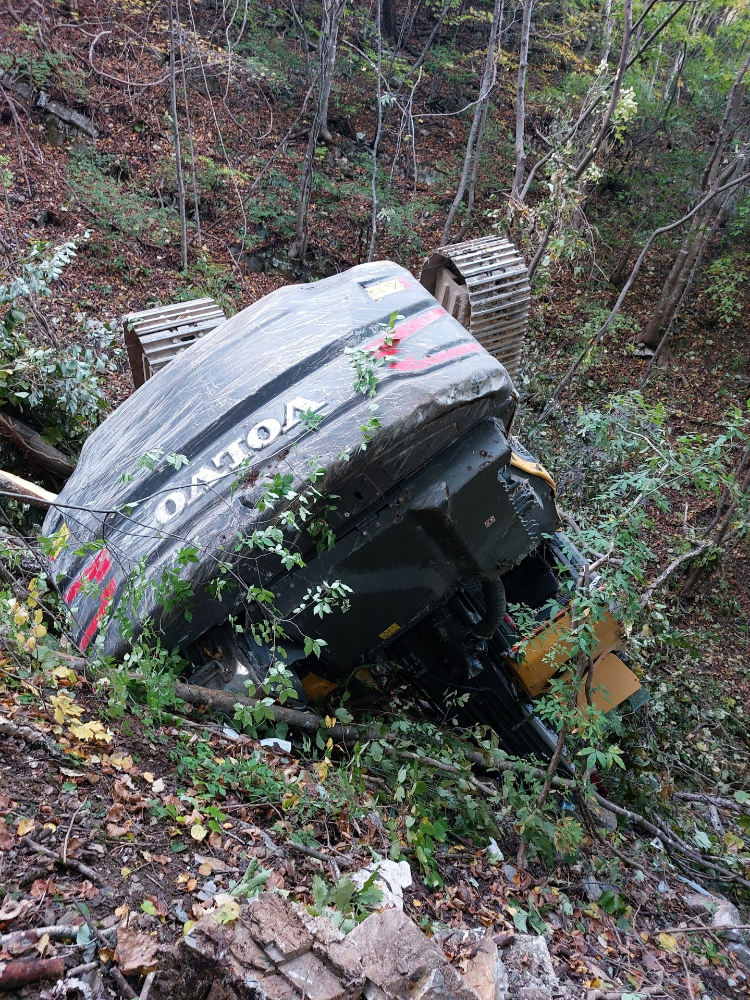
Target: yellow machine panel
(545,653)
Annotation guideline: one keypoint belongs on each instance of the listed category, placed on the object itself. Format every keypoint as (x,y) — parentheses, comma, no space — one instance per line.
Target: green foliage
(215,777)
(44,68)
(345,903)
(121,203)
(365,364)
(277,686)
(60,385)
(727,286)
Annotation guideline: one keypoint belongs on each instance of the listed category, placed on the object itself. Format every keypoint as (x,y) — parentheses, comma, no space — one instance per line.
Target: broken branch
(76,866)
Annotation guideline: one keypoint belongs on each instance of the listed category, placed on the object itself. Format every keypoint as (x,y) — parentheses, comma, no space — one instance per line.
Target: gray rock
(394,953)
(508,872)
(529,968)
(741,951)
(308,974)
(398,958)
(592,889)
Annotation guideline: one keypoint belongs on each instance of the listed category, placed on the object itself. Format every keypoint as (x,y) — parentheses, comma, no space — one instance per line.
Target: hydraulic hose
(495,606)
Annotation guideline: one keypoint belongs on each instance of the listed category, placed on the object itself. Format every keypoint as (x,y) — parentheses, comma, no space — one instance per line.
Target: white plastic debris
(392,878)
(231,734)
(494,854)
(273,741)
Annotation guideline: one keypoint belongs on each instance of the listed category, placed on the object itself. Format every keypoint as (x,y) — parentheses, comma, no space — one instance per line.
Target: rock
(529,969)
(592,889)
(509,872)
(392,878)
(603,817)
(394,953)
(277,926)
(741,951)
(699,902)
(486,972)
(727,915)
(312,978)
(445,983)
(398,958)
(275,950)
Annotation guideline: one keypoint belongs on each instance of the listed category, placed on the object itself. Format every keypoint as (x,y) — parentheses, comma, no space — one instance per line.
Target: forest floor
(126,803)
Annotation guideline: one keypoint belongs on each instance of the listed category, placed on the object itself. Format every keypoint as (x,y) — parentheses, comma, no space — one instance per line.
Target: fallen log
(308,722)
(22,489)
(34,445)
(31,735)
(29,970)
(20,939)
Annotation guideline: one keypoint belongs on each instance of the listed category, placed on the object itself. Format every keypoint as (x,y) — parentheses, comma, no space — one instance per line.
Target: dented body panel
(238,393)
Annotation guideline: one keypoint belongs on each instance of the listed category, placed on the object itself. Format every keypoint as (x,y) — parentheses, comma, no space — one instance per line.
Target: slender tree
(716,174)
(479,121)
(176,128)
(523,62)
(329,30)
(376,143)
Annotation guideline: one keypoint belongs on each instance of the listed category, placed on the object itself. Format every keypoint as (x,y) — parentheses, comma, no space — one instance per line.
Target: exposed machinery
(438,523)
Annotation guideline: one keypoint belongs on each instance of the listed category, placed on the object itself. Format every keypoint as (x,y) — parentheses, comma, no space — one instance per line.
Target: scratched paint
(231,406)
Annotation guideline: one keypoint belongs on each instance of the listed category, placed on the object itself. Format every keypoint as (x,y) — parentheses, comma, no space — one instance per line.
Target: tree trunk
(523,62)
(606,32)
(376,143)
(332,12)
(191,144)
(387,19)
(177,149)
(703,222)
(474,142)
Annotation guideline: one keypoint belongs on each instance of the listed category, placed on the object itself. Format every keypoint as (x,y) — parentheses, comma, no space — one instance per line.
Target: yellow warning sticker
(384,288)
(390,631)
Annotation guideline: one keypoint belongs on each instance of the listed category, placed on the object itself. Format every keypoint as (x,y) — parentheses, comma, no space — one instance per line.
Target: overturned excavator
(191,506)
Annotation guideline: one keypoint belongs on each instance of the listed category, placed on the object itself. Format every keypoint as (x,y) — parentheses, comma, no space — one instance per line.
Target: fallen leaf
(118,831)
(136,952)
(216,864)
(42,944)
(25,826)
(158,786)
(93,732)
(148,776)
(43,887)
(205,869)
(116,812)
(668,943)
(7,840)
(214,840)
(192,884)
(228,909)
(198,832)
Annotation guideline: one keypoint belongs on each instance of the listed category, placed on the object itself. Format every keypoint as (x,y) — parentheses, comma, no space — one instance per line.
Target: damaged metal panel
(233,401)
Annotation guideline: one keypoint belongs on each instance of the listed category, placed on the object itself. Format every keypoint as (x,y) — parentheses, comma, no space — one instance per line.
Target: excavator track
(484,284)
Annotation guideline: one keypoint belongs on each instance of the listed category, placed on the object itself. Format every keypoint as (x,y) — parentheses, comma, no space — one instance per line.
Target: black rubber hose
(495,606)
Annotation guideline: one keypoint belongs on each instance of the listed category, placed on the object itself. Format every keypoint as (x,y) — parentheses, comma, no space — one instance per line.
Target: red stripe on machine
(403,330)
(89,633)
(418,364)
(98,569)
